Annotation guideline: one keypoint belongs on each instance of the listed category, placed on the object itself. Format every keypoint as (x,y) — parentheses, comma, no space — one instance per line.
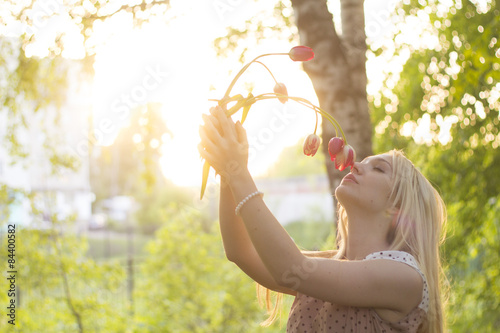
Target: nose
(357,168)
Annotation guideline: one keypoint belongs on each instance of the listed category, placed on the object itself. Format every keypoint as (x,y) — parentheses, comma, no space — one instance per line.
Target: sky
(183,56)
(175,64)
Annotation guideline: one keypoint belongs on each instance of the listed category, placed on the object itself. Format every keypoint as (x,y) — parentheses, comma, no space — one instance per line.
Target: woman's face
(368,185)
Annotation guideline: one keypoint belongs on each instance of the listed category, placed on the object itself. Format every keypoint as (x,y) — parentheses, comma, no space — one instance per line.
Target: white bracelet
(244,201)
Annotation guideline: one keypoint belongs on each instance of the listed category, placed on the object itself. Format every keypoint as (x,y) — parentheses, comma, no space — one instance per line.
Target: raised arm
(238,246)
(377,284)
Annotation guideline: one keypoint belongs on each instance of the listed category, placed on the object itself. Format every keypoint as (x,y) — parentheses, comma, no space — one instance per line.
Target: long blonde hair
(419,216)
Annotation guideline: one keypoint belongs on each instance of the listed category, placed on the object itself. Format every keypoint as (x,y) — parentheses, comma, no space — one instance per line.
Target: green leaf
(246,108)
(206,169)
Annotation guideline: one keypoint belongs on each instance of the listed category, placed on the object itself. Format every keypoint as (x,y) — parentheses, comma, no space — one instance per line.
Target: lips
(350,176)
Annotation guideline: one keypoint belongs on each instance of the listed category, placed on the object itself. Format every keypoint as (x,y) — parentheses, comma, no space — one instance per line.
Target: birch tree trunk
(338,72)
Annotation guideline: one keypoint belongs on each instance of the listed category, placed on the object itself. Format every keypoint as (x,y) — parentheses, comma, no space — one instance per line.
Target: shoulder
(378,284)
(400,268)
(397,256)
(410,273)
(393,255)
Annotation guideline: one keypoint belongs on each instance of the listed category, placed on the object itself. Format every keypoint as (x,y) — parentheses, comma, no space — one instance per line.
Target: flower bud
(345,158)
(311,144)
(335,146)
(280,88)
(301,53)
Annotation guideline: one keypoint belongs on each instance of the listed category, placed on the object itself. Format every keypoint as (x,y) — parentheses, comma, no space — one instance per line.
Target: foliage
(310,235)
(186,280)
(156,206)
(62,289)
(452,87)
(184,284)
(188,285)
(279,25)
(292,162)
(131,164)
(475,300)
(59,288)
(82,20)
(30,86)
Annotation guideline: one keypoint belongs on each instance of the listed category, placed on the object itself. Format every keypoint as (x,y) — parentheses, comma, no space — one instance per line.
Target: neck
(367,233)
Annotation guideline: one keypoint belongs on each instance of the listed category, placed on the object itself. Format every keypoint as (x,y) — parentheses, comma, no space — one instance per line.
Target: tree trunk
(338,73)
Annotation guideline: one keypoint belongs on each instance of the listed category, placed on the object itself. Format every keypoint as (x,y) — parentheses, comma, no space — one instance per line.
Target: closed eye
(379,169)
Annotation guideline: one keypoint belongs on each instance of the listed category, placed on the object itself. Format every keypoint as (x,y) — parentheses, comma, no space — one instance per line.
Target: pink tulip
(280,88)
(311,144)
(301,53)
(335,146)
(345,158)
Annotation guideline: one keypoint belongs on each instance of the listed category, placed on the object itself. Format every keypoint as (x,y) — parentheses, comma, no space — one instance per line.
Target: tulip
(301,53)
(311,144)
(280,88)
(335,146)
(345,158)
(343,155)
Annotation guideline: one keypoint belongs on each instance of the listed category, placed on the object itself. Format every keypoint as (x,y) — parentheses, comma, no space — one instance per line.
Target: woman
(385,275)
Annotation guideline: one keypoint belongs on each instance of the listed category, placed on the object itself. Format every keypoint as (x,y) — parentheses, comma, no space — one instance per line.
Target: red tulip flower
(343,154)
(311,144)
(280,88)
(335,146)
(345,158)
(301,53)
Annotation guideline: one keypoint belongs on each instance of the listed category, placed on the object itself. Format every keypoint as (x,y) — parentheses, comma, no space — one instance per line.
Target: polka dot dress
(311,315)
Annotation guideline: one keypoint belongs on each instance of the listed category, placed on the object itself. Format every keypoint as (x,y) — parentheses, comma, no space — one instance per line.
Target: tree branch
(133,9)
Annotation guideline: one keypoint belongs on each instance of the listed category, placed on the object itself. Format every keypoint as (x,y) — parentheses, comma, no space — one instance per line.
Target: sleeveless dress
(312,315)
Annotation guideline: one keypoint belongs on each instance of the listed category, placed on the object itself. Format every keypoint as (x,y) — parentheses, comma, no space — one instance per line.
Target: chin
(341,194)
(346,195)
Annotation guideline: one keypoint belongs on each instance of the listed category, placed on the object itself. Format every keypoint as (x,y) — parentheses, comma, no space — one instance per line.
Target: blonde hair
(419,216)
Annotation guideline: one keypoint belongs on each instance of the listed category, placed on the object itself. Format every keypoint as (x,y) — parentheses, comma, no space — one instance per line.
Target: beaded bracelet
(244,201)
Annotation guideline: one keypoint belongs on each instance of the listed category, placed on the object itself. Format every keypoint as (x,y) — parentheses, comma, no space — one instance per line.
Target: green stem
(306,103)
(334,121)
(258,62)
(316,125)
(228,91)
(299,100)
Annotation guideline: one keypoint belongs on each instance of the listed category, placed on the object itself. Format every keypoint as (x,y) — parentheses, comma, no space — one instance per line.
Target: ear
(392,212)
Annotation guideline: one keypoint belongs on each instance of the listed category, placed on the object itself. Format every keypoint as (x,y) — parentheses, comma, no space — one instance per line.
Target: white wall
(305,198)
(61,192)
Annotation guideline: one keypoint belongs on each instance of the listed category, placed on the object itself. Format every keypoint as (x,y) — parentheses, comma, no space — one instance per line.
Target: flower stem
(306,103)
(275,81)
(228,91)
(316,126)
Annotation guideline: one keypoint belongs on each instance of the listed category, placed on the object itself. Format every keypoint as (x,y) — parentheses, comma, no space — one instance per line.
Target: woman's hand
(224,144)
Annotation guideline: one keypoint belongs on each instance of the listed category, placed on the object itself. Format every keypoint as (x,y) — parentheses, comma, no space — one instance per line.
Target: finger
(241,133)
(204,153)
(205,139)
(210,129)
(208,145)
(212,119)
(226,123)
(208,157)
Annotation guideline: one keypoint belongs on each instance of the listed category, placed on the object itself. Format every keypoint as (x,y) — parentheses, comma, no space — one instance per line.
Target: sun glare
(175,65)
